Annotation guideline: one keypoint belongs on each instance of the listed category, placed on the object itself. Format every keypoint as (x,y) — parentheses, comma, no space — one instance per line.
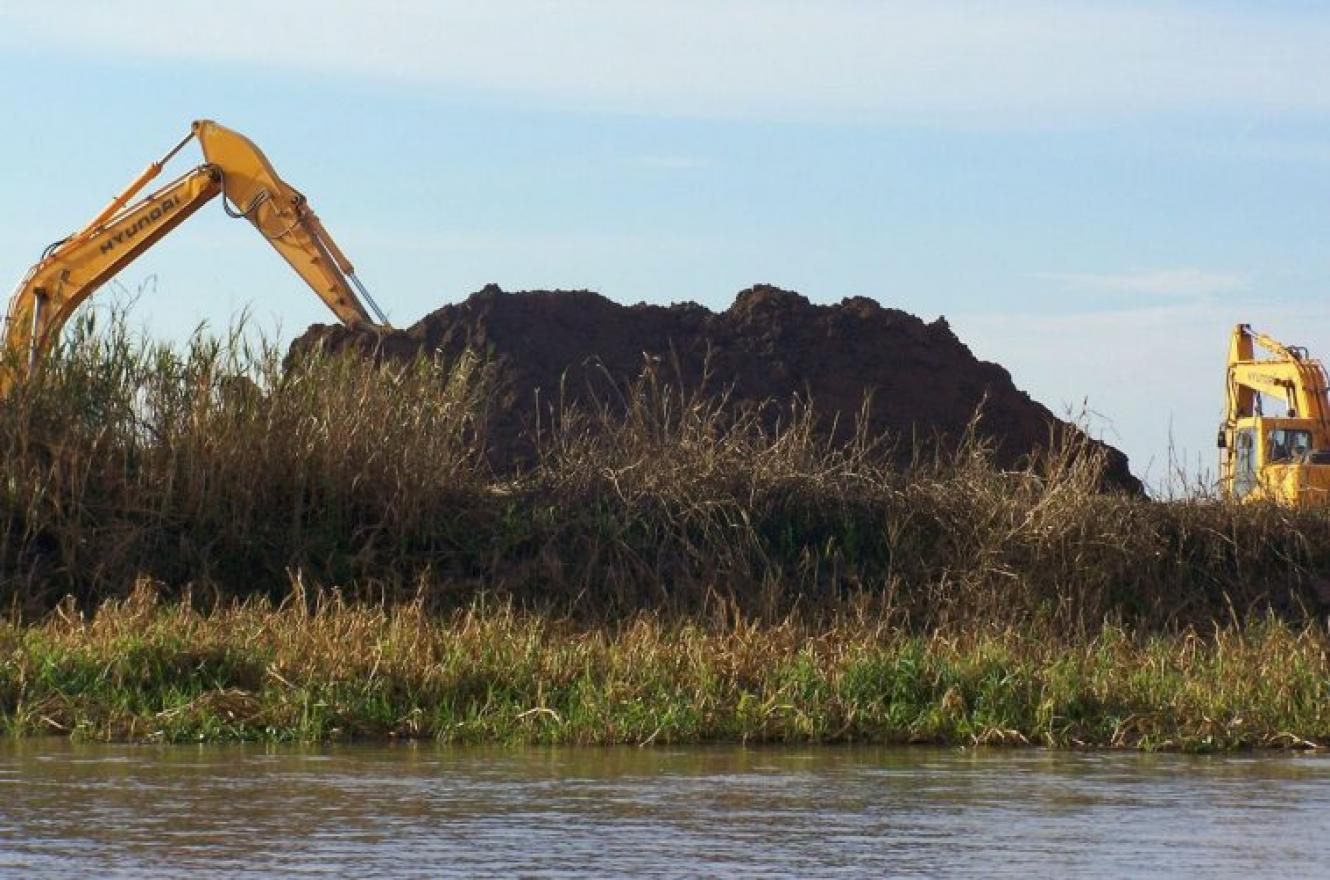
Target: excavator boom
(1289,373)
(73,269)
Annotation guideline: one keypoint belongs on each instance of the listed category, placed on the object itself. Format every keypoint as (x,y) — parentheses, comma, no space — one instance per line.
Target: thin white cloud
(953,62)
(587,243)
(1183,282)
(672,163)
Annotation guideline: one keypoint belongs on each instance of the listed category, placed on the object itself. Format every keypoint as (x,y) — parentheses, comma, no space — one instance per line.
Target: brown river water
(406,810)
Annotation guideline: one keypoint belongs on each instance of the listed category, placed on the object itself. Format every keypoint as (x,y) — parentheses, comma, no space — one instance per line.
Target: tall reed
(213,467)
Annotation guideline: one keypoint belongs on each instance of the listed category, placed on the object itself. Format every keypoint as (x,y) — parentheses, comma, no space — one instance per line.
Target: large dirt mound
(770,344)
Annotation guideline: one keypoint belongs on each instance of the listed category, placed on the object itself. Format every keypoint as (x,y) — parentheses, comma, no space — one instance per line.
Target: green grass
(327,669)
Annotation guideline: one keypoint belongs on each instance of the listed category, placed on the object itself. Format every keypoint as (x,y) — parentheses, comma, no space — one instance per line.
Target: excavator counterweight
(73,269)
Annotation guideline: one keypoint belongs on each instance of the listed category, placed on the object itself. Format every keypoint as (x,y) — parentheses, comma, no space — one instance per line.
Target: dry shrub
(212,466)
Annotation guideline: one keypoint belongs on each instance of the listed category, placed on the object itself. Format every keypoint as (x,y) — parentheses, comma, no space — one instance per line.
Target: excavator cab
(1281,459)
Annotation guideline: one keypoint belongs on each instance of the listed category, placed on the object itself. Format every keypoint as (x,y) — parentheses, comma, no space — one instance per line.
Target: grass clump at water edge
(325,668)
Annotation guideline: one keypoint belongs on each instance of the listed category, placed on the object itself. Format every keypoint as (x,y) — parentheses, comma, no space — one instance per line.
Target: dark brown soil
(770,344)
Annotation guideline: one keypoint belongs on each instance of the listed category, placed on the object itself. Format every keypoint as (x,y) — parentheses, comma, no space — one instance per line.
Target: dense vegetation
(320,667)
(322,551)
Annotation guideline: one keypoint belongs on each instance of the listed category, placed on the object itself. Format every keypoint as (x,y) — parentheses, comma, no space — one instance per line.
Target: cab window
(1244,461)
(1284,445)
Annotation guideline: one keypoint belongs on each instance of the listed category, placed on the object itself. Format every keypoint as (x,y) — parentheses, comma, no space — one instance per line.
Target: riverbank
(321,668)
(674,569)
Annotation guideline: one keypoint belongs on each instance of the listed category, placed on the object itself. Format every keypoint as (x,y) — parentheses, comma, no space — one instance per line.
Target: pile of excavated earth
(922,383)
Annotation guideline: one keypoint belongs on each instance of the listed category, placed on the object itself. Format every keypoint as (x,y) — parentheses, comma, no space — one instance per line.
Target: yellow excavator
(73,268)
(1281,458)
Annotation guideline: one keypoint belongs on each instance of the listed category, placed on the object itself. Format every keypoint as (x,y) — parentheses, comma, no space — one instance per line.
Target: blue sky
(1092,193)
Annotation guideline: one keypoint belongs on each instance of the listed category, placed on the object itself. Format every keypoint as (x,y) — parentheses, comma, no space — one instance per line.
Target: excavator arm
(1289,374)
(73,269)
(283,216)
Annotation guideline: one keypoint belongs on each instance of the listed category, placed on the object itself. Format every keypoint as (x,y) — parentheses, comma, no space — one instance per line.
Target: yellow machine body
(1286,458)
(72,269)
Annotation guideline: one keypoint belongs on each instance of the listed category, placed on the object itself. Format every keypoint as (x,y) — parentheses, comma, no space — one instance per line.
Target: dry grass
(215,469)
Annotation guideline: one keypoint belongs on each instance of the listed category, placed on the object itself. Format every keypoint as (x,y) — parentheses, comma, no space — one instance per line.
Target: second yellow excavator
(73,268)
(1282,458)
